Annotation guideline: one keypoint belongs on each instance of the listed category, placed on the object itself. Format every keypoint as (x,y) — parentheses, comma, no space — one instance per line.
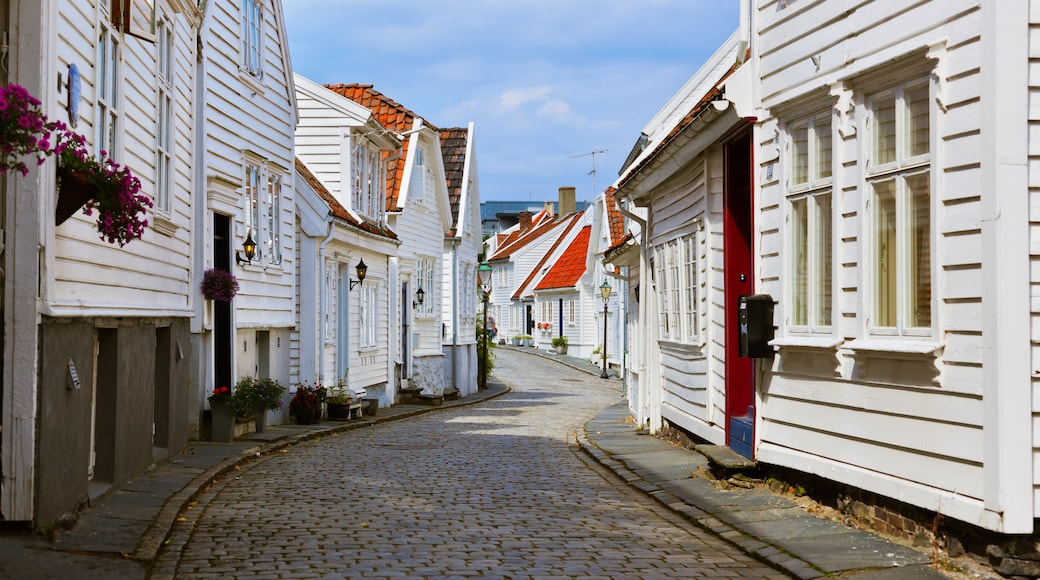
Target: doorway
(738,268)
(223,347)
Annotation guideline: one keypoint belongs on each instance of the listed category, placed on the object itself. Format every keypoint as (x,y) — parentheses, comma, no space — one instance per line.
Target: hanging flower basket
(74,191)
(218,284)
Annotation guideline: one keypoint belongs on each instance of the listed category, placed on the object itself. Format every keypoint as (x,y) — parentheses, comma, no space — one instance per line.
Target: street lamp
(484,276)
(604,291)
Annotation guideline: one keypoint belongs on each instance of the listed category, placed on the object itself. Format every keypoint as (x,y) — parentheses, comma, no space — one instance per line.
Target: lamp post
(604,291)
(484,276)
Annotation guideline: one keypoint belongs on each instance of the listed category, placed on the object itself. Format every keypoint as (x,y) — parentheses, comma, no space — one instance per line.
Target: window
(368,180)
(426,276)
(678,293)
(810,221)
(422,181)
(272,235)
(502,277)
(252,38)
(164,120)
(899,208)
(264,205)
(571,312)
(368,315)
(329,299)
(108,72)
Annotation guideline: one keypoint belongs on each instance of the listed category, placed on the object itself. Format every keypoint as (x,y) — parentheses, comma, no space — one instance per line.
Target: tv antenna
(592,154)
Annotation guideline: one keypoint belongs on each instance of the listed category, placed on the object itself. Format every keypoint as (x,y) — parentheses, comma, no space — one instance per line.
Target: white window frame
(329,297)
(264,199)
(426,278)
(253,38)
(677,278)
(812,302)
(368,315)
(164,141)
(900,170)
(109,82)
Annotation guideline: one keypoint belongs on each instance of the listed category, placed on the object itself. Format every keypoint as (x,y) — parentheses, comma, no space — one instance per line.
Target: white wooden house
(418,209)
(619,251)
(514,262)
(346,325)
(244,167)
(880,203)
(96,337)
(462,244)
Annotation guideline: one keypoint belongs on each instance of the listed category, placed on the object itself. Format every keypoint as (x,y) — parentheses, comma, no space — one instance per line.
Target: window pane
(884,129)
(822,165)
(800,262)
(917,138)
(884,253)
(800,155)
(920,250)
(822,236)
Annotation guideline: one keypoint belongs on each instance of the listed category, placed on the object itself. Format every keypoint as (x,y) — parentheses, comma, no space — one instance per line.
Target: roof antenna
(593,154)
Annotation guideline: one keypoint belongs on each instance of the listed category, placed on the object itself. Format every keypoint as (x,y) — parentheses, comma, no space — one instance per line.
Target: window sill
(164,225)
(252,81)
(807,342)
(868,346)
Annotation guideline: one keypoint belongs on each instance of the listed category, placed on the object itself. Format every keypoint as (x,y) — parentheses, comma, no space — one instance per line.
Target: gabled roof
(453,150)
(396,118)
(570,266)
(336,208)
(516,239)
(616,222)
(572,219)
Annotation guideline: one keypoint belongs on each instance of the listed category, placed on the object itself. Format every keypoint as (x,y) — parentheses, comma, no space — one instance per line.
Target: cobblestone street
(491,490)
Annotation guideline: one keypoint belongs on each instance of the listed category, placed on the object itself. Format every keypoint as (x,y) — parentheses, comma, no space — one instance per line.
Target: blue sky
(544,82)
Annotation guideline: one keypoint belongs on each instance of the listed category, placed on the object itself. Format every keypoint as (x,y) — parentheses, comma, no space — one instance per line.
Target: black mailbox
(755,319)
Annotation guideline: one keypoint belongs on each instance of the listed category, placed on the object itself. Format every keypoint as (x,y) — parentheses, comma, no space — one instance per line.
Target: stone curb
(158,531)
(746,543)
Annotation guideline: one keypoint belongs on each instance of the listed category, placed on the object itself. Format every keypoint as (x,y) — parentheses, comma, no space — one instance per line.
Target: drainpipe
(322,301)
(454,312)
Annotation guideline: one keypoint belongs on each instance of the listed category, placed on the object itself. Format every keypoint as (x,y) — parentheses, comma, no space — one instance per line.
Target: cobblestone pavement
(494,490)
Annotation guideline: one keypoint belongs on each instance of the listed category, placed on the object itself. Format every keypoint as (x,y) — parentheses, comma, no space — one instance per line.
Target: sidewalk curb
(159,531)
(748,544)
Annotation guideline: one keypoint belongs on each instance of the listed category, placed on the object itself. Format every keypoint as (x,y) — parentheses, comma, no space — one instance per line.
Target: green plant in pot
(560,344)
(340,399)
(307,402)
(516,339)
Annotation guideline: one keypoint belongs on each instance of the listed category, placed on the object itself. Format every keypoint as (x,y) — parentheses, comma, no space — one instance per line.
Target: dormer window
(252,38)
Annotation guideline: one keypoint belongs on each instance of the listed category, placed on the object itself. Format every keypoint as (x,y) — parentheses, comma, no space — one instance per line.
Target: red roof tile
(453,150)
(570,266)
(336,208)
(392,115)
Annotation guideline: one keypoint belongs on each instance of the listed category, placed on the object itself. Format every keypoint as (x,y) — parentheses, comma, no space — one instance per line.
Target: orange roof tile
(392,115)
(336,208)
(570,266)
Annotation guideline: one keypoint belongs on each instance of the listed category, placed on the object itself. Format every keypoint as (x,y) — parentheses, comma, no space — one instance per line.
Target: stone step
(725,458)
(451,394)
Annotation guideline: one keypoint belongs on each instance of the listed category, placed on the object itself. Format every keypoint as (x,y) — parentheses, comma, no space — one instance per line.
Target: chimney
(567,204)
(525,221)
(550,208)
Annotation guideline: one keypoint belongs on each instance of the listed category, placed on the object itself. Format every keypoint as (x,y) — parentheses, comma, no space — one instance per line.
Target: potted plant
(222,414)
(560,344)
(339,401)
(253,397)
(218,284)
(516,340)
(307,402)
(101,184)
(528,340)
(24,130)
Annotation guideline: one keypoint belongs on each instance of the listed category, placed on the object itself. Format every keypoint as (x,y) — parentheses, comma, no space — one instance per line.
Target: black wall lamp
(420,295)
(248,249)
(361,270)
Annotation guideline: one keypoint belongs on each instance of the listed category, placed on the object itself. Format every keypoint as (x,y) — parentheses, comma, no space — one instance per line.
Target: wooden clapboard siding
(151,274)
(242,116)
(1034,237)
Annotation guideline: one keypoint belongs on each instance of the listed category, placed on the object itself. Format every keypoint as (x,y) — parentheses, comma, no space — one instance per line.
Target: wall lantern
(361,270)
(248,250)
(420,295)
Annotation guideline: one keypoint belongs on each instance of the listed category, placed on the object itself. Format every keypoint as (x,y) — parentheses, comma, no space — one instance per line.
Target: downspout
(454,312)
(323,300)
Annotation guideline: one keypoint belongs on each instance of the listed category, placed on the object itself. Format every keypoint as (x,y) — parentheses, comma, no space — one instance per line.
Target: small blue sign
(74,95)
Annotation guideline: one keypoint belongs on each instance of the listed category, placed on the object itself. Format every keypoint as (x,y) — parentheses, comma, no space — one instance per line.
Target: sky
(554,88)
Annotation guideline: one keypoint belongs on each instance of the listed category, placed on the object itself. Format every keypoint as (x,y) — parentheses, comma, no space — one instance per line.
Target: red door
(738,267)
